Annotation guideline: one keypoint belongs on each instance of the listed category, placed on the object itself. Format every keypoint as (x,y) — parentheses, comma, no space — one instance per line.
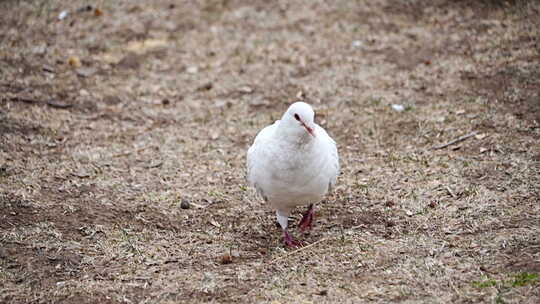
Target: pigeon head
(299,120)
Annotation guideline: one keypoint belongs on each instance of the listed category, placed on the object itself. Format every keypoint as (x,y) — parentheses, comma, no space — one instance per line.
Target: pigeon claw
(289,242)
(306,223)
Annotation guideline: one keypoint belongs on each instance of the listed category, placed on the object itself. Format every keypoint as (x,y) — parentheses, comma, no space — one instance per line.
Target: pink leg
(288,240)
(307,220)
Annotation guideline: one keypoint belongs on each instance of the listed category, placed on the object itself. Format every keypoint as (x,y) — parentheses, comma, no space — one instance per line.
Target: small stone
(245,90)
(192,70)
(47,68)
(39,49)
(357,43)
(165,102)
(258,102)
(206,87)
(86,72)
(323,292)
(398,107)
(185,204)
(62,15)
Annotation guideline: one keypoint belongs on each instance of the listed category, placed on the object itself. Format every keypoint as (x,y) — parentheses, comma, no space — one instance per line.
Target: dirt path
(113,116)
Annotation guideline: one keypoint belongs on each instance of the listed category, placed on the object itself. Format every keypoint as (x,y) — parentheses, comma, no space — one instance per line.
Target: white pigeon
(293,162)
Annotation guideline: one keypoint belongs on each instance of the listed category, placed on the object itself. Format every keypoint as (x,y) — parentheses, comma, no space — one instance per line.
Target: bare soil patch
(124,127)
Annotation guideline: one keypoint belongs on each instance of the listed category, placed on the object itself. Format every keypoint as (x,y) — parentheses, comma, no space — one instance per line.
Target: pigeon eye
(296,116)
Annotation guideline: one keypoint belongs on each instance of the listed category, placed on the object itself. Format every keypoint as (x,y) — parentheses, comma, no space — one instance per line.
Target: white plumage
(293,162)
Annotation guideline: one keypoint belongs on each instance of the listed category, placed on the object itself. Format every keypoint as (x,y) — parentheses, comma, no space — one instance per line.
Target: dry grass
(96,159)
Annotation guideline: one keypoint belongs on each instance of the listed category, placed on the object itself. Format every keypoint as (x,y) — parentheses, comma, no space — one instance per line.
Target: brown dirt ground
(109,119)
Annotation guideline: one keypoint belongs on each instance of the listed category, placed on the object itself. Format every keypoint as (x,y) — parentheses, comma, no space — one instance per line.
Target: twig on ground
(50,103)
(58,105)
(24,99)
(297,250)
(454,141)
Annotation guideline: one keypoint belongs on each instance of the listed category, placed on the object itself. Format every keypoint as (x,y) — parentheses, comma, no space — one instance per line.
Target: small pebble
(62,15)
(398,107)
(185,204)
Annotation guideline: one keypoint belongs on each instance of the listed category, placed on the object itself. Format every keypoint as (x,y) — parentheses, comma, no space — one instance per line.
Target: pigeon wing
(329,145)
(254,152)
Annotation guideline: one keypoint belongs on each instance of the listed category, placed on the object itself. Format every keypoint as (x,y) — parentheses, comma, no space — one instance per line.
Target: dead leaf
(226,259)
(480,136)
(74,62)
(214,223)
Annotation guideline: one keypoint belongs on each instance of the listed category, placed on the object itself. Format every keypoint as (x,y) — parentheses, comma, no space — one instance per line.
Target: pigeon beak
(308,129)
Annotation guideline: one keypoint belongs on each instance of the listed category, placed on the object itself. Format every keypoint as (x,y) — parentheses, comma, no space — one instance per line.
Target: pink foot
(307,220)
(289,242)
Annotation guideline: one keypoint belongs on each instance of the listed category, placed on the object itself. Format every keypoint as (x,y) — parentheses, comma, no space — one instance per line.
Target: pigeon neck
(291,134)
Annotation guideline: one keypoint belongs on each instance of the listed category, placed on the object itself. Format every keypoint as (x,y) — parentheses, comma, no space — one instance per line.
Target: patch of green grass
(486,282)
(524,278)
(518,280)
